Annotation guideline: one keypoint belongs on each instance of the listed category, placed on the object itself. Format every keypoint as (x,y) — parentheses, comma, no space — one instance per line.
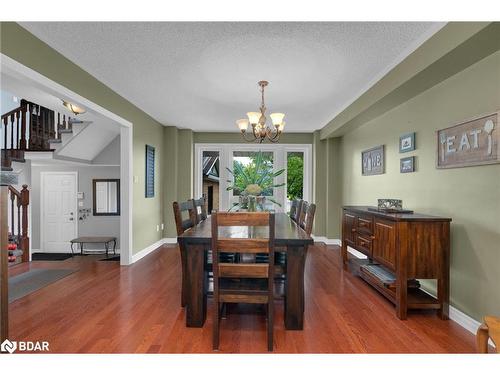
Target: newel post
(22,141)
(25,241)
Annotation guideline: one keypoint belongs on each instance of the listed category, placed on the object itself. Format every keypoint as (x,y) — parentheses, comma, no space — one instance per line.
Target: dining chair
(184,219)
(200,208)
(243,282)
(293,208)
(306,220)
(298,211)
(490,329)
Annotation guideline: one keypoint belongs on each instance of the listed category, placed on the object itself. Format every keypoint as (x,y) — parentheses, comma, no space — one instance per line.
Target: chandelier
(260,130)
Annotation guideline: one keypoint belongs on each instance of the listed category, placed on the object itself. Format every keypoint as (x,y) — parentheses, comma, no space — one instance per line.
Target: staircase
(25,131)
(17,220)
(32,128)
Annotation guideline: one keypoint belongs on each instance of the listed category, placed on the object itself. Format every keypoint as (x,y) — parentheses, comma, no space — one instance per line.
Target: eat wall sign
(474,142)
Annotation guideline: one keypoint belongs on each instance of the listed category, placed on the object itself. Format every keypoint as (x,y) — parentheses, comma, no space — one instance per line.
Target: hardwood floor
(105,308)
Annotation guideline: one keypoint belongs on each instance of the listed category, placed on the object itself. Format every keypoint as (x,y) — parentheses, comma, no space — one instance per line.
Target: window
(246,168)
(294,177)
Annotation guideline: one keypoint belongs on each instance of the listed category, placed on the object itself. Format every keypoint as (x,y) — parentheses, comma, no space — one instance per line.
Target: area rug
(28,282)
(115,258)
(50,256)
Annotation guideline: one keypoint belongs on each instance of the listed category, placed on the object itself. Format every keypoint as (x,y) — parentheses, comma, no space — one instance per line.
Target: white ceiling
(203,76)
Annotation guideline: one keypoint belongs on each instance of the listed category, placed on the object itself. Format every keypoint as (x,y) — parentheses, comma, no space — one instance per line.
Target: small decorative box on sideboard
(401,248)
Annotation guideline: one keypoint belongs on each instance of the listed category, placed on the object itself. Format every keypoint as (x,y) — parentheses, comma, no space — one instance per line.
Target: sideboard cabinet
(401,248)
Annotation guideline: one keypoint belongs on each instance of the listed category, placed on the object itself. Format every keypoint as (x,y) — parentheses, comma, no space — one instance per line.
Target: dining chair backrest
(243,282)
(184,214)
(200,208)
(307,213)
(296,216)
(293,208)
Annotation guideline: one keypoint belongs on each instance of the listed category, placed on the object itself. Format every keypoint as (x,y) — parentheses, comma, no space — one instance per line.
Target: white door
(58,211)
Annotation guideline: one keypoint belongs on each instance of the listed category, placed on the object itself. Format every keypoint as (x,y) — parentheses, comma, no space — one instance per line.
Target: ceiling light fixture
(74,108)
(260,130)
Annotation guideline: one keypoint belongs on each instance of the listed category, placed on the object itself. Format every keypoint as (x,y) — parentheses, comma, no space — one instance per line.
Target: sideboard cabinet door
(349,228)
(384,243)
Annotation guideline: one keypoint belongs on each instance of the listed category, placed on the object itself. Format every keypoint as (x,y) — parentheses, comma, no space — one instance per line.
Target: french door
(213,164)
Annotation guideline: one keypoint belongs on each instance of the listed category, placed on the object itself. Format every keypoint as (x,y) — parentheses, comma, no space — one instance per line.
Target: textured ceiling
(203,76)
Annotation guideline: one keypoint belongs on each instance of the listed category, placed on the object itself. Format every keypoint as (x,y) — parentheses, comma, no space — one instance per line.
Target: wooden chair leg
(216,326)
(482,337)
(270,325)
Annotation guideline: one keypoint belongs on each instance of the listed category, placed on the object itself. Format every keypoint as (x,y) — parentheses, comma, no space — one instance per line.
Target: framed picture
(407,142)
(470,143)
(407,165)
(150,171)
(372,161)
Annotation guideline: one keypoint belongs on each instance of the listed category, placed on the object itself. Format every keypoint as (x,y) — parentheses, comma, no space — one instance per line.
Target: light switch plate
(157,228)
(136,179)
(80,204)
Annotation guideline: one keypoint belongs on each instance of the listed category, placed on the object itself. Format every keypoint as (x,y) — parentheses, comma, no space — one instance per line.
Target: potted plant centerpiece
(254,184)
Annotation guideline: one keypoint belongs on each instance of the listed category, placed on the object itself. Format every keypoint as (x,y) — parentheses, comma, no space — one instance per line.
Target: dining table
(290,239)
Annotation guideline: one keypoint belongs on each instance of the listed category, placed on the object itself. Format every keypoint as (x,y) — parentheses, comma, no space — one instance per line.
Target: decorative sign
(407,142)
(474,142)
(407,165)
(372,161)
(150,171)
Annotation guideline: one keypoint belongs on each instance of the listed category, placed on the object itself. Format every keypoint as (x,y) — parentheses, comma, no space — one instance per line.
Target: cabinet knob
(353,230)
(372,238)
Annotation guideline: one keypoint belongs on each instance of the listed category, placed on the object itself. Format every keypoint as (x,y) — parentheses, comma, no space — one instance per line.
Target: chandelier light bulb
(277,118)
(242,124)
(253,117)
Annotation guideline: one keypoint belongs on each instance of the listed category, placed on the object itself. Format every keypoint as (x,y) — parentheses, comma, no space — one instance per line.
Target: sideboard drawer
(365,224)
(364,244)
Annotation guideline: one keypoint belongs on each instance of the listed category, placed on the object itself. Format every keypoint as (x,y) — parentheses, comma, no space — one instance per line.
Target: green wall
(471,196)
(177,173)
(30,51)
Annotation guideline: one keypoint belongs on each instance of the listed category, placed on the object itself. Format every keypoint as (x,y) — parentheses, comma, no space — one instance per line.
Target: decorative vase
(252,203)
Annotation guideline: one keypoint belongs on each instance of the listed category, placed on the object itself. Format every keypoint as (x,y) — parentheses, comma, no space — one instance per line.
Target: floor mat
(50,256)
(28,282)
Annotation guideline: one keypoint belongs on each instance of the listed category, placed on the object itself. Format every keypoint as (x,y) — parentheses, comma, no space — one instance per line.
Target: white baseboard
(170,240)
(146,251)
(326,241)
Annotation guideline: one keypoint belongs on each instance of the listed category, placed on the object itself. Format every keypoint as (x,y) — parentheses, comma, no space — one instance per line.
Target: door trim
(43,175)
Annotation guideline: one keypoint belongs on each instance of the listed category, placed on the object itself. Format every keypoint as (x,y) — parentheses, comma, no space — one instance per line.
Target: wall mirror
(106,197)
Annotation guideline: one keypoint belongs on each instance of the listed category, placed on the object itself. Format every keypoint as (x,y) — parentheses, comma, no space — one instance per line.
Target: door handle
(71,219)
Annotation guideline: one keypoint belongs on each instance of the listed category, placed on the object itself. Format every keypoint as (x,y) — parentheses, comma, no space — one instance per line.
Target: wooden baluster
(32,127)
(38,127)
(18,219)
(18,115)
(5,122)
(58,125)
(11,131)
(12,197)
(25,241)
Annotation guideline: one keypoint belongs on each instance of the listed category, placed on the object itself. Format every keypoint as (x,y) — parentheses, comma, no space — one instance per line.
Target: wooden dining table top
(287,232)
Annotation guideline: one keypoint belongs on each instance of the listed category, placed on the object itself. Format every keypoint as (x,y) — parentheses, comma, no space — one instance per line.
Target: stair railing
(30,127)
(18,218)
